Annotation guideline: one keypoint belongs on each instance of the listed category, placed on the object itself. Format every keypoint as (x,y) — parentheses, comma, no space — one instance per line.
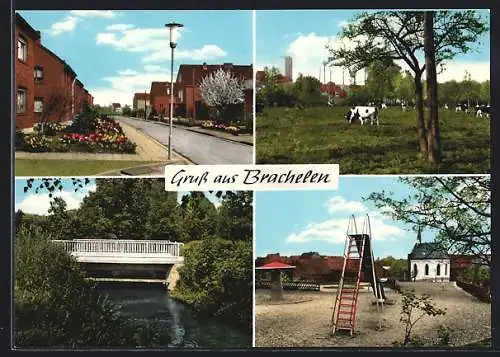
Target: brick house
(282,79)
(333,90)
(117,108)
(141,101)
(190,76)
(26,39)
(46,86)
(160,97)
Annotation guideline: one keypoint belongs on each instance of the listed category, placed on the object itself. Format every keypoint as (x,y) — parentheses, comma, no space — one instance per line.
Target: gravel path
(304,320)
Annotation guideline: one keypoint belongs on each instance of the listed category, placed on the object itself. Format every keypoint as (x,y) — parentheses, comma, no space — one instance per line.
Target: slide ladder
(358,257)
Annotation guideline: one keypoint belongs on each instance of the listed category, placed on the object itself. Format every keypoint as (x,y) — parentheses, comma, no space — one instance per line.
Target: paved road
(199,148)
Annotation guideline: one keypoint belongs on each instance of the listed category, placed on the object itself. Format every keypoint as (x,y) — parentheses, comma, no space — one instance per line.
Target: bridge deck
(127,258)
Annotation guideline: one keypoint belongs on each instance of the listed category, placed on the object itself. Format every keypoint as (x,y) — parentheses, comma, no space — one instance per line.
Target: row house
(160,98)
(46,86)
(141,101)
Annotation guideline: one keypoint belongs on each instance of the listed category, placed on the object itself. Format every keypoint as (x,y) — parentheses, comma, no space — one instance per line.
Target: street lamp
(173,27)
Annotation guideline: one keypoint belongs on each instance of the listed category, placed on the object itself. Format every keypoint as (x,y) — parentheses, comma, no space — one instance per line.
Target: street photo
(375,91)
(122,263)
(115,93)
(396,261)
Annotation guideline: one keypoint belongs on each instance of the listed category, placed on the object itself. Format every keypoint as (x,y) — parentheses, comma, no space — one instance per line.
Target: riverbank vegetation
(215,280)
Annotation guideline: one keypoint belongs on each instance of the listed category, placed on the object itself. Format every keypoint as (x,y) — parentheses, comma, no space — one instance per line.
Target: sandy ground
(303,319)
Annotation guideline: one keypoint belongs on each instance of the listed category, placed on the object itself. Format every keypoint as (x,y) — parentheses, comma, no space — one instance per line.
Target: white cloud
(40,203)
(68,24)
(119,27)
(206,52)
(342,23)
(126,83)
(309,51)
(154,68)
(126,72)
(108,14)
(334,231)
(338,204)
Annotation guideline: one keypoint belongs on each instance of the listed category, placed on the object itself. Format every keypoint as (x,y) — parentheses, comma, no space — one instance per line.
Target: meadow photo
(378,92)
(382,262)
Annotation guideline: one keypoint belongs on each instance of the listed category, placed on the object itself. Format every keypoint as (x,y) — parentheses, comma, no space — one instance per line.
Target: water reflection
(185,329)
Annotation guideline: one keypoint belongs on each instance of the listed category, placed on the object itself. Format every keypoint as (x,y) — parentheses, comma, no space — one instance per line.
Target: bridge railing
(125,246)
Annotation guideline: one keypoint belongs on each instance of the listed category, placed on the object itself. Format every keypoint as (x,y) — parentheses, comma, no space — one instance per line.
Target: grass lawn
(33,167)
(321,136)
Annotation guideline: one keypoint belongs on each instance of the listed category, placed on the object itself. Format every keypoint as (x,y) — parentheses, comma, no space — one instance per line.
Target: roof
(428,251)
(21,22)
(79,83)
(159,89)
(334,263)
(275,265)
(116,105)
(67,67)
(141,95)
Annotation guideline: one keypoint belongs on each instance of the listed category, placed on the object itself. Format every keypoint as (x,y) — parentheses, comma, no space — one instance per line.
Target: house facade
(429,262)
(141,101)
(46,86)
(160,97)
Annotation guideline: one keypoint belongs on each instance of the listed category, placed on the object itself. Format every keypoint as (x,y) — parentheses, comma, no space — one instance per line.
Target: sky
(31,202)
(303,35)
(296,222)
(118,53)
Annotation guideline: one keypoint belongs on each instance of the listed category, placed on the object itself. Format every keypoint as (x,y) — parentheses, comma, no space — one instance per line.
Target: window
(446,269)
(38,73)
(21,49)
(438,270)
(21,101)
(180,96)
(168,91)
(415,271)
(38,104)
(426,269)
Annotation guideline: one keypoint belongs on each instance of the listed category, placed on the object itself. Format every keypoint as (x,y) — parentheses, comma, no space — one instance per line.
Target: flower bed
(211,125)
(107,137)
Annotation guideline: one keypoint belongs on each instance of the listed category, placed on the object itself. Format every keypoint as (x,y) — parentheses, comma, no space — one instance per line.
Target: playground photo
(380,92)
(124,263)
(363,267)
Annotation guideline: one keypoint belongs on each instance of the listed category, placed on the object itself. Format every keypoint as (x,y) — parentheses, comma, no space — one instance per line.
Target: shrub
(50,128)
(19,139)
(36,143)
(207,124)
(54,306)
(232,129)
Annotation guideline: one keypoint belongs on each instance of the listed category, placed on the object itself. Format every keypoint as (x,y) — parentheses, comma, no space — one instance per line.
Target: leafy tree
(221,89)
(381,77)
(307,90)
(236,216)
(485,92)
(398,35)
(54,306)
(217,279)
(127,111)
(458,208)
(405,87)
(199,217)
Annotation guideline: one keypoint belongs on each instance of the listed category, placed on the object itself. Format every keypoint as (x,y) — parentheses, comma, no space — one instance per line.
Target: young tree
(458,208)
(221,89)
(56,106)
(433,138)
(381,78)
(307,90)
(398,35)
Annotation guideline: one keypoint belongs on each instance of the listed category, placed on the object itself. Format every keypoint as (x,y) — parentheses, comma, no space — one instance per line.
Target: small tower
(419,235)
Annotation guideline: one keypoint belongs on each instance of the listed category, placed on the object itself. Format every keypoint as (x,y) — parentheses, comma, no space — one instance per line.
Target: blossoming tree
(221,89)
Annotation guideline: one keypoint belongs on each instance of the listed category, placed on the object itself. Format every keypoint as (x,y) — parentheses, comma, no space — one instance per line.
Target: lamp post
(173,26)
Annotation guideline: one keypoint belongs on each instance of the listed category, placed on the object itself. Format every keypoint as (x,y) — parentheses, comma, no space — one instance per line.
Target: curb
(194,131)
(118,172)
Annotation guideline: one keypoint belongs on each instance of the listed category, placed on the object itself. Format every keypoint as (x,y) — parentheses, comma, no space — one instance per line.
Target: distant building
(141,101)
(333,90)
(261,75)
(288,67)
(160,98)
(117,108)
(428,261)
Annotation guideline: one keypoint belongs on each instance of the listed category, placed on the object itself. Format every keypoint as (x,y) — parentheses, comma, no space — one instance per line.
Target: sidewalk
(147,150)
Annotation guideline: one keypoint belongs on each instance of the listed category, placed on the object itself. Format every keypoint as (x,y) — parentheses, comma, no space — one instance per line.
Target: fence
(121,246)
(482,293)
(290,285)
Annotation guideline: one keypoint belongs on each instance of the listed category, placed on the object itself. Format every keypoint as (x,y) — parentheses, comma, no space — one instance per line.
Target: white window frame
(22,49)
(38,70)
(181,96)
(38,105)
(23,92)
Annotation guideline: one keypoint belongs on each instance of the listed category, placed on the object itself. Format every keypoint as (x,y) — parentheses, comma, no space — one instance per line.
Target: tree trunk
(433,139)
(419,105)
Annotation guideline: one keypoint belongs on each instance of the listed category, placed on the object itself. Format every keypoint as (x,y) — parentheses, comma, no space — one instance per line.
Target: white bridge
(120,251)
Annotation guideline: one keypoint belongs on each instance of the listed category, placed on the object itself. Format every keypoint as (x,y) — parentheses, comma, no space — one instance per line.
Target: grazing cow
(383,106)
(446,106)
(362,114)
(480,110)
(462,107)
(403,107)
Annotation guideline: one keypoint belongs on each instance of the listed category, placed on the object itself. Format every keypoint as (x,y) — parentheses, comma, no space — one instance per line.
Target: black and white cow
(446,106)
(462,107)
(362,114)
(483,110)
